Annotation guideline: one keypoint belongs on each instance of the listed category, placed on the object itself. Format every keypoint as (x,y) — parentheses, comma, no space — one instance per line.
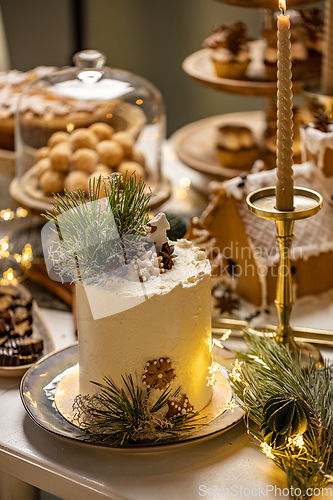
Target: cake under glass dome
(79,122)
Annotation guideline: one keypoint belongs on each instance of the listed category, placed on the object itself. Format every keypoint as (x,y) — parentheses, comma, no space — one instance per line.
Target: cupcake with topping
(299,54)
(229,50)
(236,147)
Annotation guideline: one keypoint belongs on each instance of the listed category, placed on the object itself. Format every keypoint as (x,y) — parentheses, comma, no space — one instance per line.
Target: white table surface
(73,470)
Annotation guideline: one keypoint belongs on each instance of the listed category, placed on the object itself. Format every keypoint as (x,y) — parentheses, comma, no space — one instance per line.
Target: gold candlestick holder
(307,203)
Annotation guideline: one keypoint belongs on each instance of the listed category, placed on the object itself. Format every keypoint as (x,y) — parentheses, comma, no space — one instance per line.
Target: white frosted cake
(162,337)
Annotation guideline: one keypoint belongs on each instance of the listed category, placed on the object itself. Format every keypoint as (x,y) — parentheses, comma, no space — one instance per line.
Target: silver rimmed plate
(38,388)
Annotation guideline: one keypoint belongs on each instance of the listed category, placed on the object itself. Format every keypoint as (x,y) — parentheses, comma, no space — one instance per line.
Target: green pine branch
(124,415)
(269,369)
(90,229)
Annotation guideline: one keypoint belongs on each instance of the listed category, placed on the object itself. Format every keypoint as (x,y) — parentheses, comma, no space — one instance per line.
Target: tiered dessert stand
(195,143)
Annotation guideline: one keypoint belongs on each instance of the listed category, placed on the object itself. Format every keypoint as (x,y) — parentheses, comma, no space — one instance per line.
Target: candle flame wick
(282,6)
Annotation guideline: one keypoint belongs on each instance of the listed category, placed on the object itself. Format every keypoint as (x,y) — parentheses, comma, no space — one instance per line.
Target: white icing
(222,54)
(234,140)
(13,82)
(174,322)
(316,142)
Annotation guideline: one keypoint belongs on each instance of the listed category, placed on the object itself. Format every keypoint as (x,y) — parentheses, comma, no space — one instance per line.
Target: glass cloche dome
(79,122)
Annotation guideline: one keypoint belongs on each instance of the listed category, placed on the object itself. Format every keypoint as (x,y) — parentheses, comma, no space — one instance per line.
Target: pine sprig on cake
(98,234)
(124,415)
(269,375)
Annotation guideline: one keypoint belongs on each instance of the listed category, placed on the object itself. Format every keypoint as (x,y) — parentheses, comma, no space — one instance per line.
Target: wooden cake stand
(265,4)
(199,67)
(195,143)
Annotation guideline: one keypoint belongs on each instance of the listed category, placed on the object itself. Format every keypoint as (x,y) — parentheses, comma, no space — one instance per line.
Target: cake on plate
(12,83)
(143,302)
(164,338)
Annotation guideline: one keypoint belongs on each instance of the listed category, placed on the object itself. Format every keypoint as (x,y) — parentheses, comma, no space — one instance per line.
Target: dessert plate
(199,67)
(38,388)
(39,330)
(195,143)
(29,196)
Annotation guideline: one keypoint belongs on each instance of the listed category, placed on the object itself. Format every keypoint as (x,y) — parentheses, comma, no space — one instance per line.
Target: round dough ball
(138,156)
(57,137)
(60,157)
(103,169)
(42,166)
(85,159)
(102,130)
(125,140)
(42,153)
(104,182)
(128,167)
(110,153)
(76,180)
(83,138)
(52,182)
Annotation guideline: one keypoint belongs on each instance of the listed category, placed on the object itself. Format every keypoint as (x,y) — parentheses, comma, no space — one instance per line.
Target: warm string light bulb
(4,248)
(9,278)
(8,214)
(212,370)
(24,260)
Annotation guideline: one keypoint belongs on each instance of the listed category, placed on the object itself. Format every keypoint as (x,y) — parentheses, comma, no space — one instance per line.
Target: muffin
(299,54)
(229,50)
(236,147)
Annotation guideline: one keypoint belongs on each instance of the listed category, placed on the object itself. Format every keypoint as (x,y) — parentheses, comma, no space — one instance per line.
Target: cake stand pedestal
(307,203)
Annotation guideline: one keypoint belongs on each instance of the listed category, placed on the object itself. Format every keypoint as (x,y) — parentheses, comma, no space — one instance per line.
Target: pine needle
(269,369)
(89,230)
(124,415)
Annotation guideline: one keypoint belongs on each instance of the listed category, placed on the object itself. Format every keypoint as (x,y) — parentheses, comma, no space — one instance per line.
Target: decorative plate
(38,388)
(195,143)
(39,330)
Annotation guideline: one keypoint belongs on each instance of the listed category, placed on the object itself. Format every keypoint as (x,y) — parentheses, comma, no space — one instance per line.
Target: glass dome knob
(89,59)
